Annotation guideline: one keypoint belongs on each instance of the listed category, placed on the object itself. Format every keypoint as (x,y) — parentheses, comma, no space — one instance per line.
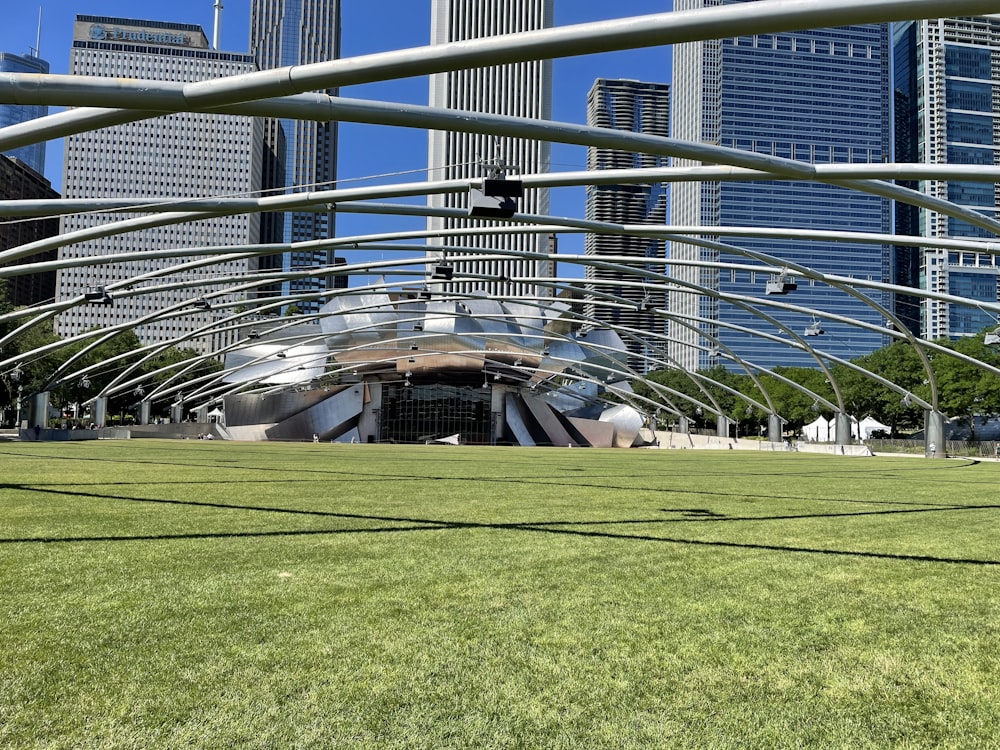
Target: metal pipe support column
(775,425)
(99,411)
(843,422)
(38,411)
(934,439)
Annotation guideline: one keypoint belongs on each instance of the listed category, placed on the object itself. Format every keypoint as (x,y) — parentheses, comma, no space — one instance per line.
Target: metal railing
(973,448)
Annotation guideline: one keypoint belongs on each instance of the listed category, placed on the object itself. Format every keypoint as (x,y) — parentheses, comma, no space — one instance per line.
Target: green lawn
(208,594)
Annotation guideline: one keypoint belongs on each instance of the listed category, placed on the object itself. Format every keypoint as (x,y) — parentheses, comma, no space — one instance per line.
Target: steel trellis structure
(284,93)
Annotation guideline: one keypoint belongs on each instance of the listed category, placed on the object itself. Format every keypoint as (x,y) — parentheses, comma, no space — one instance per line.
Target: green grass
(199,594)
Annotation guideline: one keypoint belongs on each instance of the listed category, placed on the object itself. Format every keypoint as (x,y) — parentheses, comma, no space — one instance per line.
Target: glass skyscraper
(947,111)
(639,107)
(12,114)
(299,155)
(815,96)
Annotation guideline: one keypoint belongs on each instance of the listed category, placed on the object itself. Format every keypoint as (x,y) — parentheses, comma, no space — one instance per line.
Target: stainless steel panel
(529,318)
(603,349)
(329,418)
(627,422)
(598,434)
(260,363)
(516,413)
(354,319)
(250,409)
(353,435)
(549,422)
(573,396)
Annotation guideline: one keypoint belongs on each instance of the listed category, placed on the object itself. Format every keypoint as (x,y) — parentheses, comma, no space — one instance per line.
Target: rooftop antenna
(217,30)
(38,35)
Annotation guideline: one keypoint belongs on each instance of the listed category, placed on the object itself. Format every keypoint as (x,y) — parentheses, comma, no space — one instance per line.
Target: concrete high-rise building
(644,108)
(300,155)
(519,89)
(182,155)
(819,96)
(12,114)
(947,111)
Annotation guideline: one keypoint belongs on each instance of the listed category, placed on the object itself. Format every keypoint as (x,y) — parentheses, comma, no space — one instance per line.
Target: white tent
(825,430)
(821,430)
(869,424)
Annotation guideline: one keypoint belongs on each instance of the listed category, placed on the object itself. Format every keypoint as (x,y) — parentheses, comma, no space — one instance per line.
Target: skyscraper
(19,182)
(300,155)
(180,155)
(12,114)
(641,108)
(946,112)
(520,89)
(819,96)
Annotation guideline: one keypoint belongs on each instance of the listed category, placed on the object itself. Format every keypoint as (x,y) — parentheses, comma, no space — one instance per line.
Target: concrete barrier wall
(179,430)
(60,435)
(834,450)
(682,440)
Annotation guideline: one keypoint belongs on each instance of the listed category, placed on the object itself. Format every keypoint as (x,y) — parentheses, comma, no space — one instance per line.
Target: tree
(175,359)
(9,382)
(28,375)
(676,380)
(794,406)
(965,389)
(898,363)
(84,388)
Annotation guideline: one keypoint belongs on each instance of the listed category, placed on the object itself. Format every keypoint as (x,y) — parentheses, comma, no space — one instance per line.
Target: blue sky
(366,150)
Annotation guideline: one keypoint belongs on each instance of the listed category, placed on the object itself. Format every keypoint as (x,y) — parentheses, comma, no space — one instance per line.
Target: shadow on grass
(356,474)
(62,488)
(569,528)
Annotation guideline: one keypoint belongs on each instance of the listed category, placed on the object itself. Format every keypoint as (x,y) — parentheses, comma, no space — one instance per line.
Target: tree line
(964,390)
(29,376)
